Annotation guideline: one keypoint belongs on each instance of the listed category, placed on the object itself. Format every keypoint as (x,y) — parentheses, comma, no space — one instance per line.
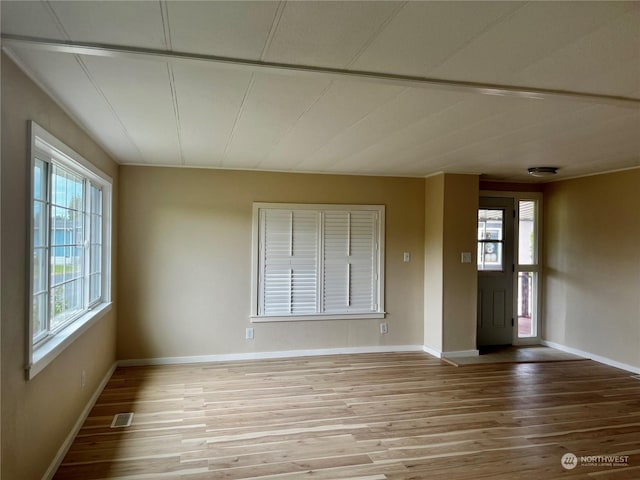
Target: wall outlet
(248,334)
(465,257)
(83,379)
(384,328)
(406,257)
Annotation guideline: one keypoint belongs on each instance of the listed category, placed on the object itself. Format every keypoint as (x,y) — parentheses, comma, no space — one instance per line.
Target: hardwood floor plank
(359,417)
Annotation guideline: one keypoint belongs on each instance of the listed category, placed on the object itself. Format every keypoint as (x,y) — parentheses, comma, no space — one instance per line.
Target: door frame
(517,197)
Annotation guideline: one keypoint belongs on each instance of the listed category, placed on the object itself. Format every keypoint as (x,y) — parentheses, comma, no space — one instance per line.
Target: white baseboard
(461,353)
(432,351)
(267,355)
(592,356)
(62,451)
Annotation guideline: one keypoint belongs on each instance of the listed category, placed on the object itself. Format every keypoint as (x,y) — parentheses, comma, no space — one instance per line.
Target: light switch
(465,257)
(406,257)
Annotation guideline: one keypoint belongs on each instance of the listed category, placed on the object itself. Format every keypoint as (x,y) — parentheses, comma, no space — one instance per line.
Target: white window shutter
(349,277)
(289,271)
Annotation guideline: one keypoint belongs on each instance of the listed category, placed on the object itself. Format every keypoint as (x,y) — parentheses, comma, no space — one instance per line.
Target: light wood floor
(510,354)
(366,417)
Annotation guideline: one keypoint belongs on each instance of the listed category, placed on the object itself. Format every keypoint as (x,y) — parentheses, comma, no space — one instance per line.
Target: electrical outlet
(406,257)
(384,328)
(248,335)
(83,379)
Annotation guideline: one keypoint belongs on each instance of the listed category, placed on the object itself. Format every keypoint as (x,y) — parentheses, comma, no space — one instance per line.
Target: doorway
(495,271)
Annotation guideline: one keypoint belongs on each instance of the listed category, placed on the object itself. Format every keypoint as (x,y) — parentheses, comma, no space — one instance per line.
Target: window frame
(45,147)
(256,317)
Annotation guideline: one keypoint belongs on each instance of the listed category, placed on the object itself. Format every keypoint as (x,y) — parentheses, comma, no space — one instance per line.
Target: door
(495,271)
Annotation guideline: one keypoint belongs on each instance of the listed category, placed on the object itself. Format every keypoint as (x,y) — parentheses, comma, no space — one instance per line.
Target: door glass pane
(527,294)
(526,232)
(490,239)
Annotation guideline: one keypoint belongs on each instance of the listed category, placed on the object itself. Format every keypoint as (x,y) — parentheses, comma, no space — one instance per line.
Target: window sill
(301,318)
(48,351)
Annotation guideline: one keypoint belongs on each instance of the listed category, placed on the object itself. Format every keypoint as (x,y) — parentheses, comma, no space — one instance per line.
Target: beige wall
(37,415)
(592,265)
(450,287)
(433,268)
(460,280)
(185,264)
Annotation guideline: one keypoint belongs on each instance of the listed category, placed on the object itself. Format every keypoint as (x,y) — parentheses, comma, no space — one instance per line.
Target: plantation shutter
(289,262)
(350,271)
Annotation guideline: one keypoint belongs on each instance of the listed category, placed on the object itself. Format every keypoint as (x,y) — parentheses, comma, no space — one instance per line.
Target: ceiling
(463,87)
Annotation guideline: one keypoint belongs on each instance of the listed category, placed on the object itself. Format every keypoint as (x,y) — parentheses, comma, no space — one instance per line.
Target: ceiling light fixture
(542,171)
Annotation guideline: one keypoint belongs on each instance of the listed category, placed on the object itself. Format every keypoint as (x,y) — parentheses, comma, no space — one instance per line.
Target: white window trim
(255,263)
(38,357)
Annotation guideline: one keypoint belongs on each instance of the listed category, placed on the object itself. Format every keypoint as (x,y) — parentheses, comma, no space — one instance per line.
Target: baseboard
(269,355)
(592,356)
(62,451)
(461,353)
(432,351)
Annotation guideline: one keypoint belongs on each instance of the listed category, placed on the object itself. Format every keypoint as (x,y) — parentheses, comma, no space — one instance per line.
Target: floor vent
(122,420)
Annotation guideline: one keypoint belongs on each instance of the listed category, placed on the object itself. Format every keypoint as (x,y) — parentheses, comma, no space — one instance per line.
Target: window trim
(255,263)
(41,353)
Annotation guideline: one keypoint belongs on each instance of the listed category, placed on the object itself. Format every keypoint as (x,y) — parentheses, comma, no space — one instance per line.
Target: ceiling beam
(118,51)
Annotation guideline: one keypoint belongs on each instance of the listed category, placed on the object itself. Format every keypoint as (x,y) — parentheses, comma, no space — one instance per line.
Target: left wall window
(70,253)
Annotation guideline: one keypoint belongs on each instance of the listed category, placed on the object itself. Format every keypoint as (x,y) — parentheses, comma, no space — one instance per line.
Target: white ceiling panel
(131,23)
(519,130)
(431,128)
(63,77)
(140,94)
(209,100)
(345,104)
(532,33)
(272,106)
(170,109)
(408,108)
(224,28)
(605,61)
(327,33)
(424,34)
(34,19)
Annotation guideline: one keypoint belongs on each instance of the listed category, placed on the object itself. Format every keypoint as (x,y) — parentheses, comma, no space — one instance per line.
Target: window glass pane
(58,305)
(39,270)
(527,294)
(40,180)
(96,259)
(526,232)
(39,314)
(95,287)
(96,200)
(490,224)
(66,302)
(490,239)
(39,224)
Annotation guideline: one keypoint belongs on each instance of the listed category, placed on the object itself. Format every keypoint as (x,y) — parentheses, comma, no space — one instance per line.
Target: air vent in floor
(122,420)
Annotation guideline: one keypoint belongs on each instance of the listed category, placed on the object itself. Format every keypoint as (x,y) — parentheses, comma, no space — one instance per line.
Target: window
(70,255)
(317,262)
(527,268)
(490,239)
